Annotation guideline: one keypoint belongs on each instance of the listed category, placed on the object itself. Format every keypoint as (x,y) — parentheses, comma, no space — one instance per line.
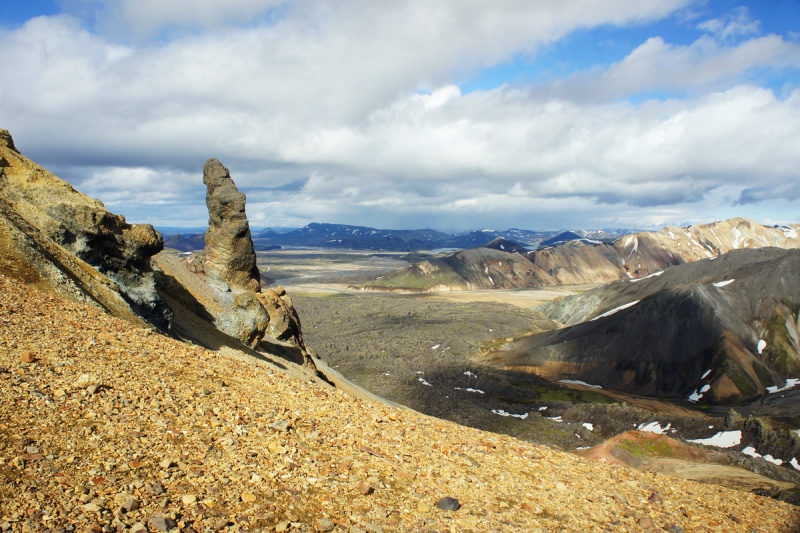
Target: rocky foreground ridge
(59,239)
(106,426)
(577,262)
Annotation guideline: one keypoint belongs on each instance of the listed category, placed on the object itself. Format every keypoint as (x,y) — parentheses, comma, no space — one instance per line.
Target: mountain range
(345,237)
(215,415)
(582,261)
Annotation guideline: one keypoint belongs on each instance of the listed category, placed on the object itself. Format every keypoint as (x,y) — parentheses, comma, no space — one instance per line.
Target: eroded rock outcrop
(46,220)
(230,256)
(224,281)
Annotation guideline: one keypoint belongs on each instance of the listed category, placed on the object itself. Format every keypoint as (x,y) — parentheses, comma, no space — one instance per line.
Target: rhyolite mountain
(720,330)
(580,261)
(506,245)
(561,238)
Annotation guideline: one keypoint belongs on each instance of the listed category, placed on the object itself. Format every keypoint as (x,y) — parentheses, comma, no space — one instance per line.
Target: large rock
(223,280)
(230,256)
(43,211)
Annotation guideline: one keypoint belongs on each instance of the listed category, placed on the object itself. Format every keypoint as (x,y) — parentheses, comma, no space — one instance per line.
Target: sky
(445,114)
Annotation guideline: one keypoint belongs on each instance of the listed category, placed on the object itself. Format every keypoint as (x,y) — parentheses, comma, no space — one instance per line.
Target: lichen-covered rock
(83,227)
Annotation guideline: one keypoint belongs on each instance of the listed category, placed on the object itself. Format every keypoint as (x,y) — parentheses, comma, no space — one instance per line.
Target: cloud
(733,25)
(659,66)
(345,112)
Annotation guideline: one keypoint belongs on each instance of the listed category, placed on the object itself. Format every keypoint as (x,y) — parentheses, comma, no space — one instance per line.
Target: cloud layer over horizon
(353,112)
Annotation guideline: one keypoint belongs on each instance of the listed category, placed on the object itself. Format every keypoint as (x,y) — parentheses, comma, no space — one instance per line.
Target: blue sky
(454,115)
(601,46)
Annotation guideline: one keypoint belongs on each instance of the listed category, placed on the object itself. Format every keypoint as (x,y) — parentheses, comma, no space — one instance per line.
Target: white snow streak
(723,439)
(577,382)
(790,383)
(504,413)
(761,345)
(654,427)
(620,308)
(723,283)
(653,275)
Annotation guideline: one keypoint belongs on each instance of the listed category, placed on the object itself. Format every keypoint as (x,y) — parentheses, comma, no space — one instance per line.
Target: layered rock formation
(580,261)
(223,280)
(65,241)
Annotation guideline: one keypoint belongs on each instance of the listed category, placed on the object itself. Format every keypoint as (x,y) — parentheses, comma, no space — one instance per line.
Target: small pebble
(325,524)
(646,522)
(280,425)
(162,523)
(448,504)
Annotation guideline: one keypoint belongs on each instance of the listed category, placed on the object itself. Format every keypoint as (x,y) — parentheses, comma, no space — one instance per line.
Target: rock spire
(230,256)
(229,266)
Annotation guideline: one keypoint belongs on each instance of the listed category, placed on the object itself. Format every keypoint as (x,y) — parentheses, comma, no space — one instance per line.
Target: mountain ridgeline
(581,261)
(344,237)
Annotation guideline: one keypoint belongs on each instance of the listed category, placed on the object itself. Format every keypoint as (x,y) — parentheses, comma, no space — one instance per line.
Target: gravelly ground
(107,427)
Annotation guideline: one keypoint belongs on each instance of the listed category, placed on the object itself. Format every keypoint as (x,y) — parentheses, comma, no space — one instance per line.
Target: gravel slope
(112,427)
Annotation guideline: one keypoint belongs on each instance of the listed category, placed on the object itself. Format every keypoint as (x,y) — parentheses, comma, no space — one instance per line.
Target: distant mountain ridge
(580,261)
(346,237)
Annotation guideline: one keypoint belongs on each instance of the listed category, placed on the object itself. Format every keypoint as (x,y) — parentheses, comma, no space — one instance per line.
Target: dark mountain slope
(561,238)
(354,238)
(720,331)
(505,245)
(187,242)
